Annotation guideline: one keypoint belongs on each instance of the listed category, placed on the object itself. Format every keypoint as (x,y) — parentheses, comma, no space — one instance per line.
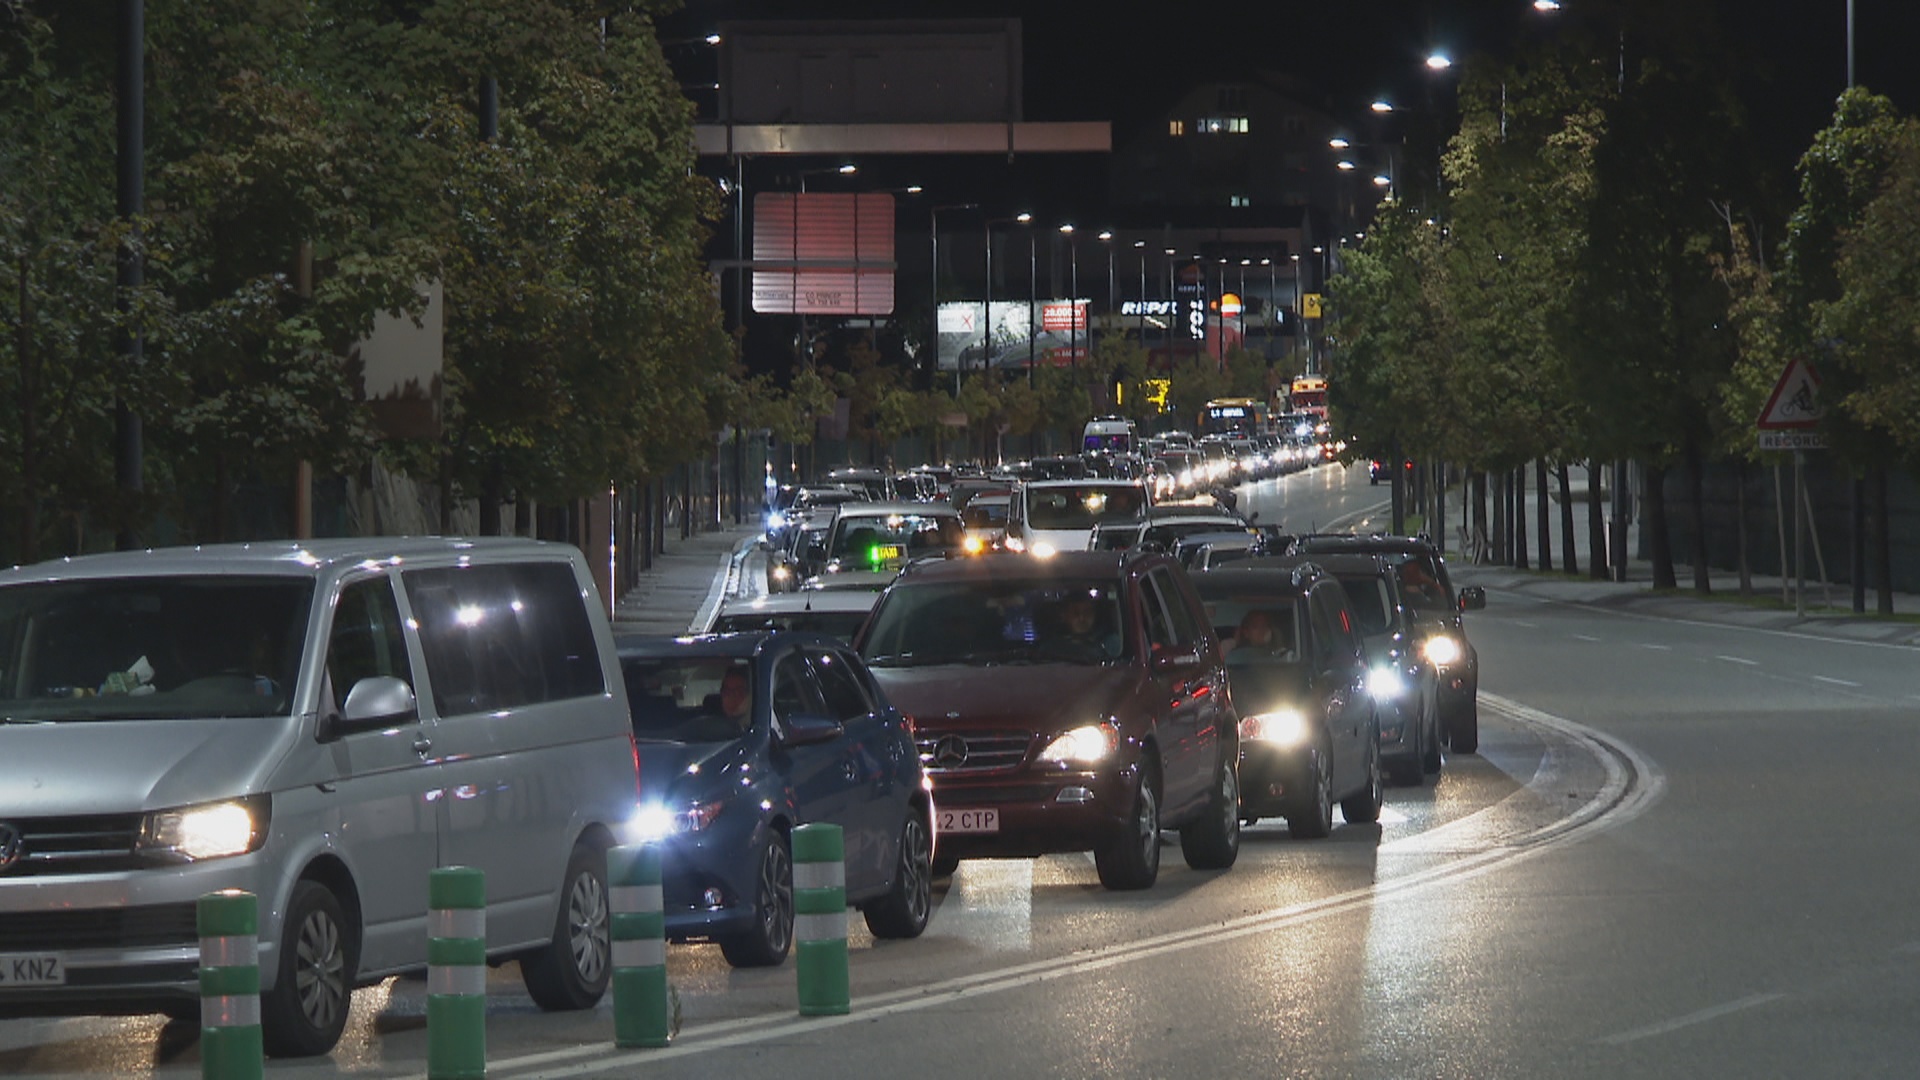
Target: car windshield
(875,541)
(839,624)
(997,622)
(1368,596)
(689,699)
(1422,586)
(1084,506)
(982,514)
(1257,631)
(151,648)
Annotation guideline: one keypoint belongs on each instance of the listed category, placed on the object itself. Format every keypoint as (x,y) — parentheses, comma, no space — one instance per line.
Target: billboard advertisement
(832,253)
(963,344)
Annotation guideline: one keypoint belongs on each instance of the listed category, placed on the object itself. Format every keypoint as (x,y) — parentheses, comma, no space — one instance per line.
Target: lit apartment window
(1223,125)
(1176,128)
(1239,200)
(1237,125)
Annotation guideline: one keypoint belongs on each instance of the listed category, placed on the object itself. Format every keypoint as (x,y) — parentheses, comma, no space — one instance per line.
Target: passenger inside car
(1262,636)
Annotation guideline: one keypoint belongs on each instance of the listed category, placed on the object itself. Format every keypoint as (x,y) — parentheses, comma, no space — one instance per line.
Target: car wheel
(305,1012)
(1365,806)
(570,972)
(1463,727)
(1313,819)
(1430,738)
(772,935)
(903,912)
(944,866)
(1212,842)
(1130,858)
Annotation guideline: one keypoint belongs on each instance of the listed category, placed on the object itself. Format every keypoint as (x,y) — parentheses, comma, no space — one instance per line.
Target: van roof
(292,557)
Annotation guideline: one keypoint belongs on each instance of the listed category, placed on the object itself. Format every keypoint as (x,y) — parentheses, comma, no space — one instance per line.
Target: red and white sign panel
(840,246)
(1064,316)
(1795,401)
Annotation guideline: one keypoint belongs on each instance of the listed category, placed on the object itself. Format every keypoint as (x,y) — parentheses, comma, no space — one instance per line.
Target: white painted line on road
(1633,785)
(1834,681)
(1701,1017)
(1739,660)
(1525,623)
(1661,648)
(1585,637)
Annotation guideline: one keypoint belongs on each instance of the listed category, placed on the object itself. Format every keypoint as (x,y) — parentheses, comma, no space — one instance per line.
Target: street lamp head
(1546,5)
(714,39)
(848,169)
(1339,143)
(1023,217)
(1382,180)
(1295,256)
(1106,234)
(1067,228)
(1139,243)
(914,189)
(1246,262)
(1345,166)
(1439,62)
(1381,106)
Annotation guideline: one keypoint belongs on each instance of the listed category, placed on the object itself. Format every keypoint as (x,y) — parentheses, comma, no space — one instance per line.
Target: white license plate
(32,969)
(969,821)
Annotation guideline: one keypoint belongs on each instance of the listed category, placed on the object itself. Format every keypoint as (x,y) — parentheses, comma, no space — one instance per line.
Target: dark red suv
(1070,703)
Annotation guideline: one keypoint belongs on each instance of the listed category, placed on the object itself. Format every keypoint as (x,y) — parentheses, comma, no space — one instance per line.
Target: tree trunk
(1740,526)
(1596,522)
(1569,556)
(1484,539)
(1659,544)
(222,497)
(1857,542)
(1501,552)
(29,430)
(1882,542)
(1520,517)
(1697,507)
(1544,511)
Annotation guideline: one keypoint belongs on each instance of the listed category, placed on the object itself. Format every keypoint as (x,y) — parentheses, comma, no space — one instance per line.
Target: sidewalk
(685,583)
(1828,607)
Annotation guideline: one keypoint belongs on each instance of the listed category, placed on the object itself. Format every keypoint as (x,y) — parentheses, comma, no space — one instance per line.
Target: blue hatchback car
(742,737)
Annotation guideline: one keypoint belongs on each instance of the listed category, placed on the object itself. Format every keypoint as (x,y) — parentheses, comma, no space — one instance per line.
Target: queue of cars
(1074,686)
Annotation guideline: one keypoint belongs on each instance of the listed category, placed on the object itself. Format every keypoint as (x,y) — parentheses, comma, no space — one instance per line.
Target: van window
(366,640)
(503,636)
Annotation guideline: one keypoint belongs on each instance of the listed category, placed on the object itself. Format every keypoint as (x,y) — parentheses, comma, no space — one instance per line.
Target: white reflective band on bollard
(819,875)
(457,922)
(820,927)
(457,979)
(226,1012)
(639,954)
(635,898)
(240,950)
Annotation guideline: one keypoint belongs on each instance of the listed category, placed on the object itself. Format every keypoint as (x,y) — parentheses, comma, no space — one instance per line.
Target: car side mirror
(374,702)
(1473,598)
(806,730)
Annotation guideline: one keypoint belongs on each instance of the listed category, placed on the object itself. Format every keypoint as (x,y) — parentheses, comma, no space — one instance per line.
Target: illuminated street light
(1381,107)
(1439,61)
(1339,143)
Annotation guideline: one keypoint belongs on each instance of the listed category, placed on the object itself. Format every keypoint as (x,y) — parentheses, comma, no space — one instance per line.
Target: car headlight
(1044,550)
(654,822)
(206,831)
(1015,544)
(1085,745)
(1281,727)
(1385,684)
(1440,650)
(776,520)
(973,545)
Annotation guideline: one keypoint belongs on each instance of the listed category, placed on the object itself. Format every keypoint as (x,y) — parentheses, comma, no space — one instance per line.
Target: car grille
(99,928)
(982,751)
(83,844)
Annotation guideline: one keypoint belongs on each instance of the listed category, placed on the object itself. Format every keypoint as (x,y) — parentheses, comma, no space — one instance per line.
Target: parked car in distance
(1436,608)
(1308,737)
(743,737)
(1070,703)
(283,718)
(836,613)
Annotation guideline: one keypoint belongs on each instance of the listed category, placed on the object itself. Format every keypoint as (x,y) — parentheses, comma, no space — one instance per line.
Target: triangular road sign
(1795,401)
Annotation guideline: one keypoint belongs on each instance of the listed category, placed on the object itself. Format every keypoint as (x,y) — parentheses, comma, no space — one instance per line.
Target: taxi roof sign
(1795,401)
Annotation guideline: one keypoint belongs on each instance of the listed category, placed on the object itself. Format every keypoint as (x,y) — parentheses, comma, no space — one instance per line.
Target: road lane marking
(1523,622)
(1650,645)
(1585,637)
(1631,786)
(1678,1022)
(1738,660)
(1834,681)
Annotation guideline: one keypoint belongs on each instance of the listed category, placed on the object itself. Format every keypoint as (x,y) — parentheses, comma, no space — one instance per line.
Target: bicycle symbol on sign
(1800,404)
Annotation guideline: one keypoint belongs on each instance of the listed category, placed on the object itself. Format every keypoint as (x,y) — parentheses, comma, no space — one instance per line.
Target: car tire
(944,866)
(1463,727)
(1431,737)
(305,1012)
(1212,841)
(571,971)
(904,910)
(1130,858)
(766,944)
(1312,819)
(1364,807)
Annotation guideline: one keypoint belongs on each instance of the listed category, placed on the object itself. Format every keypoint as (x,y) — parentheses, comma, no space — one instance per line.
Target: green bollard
(229,927)
(456,974)
(640,1007)
(820,920)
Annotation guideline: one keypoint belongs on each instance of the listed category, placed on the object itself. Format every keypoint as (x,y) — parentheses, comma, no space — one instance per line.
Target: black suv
(1435,608)
(1071,703)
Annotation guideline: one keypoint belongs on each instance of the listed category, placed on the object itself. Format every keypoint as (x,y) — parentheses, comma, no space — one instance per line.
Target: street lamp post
(1026,219)
(935,341)
(1300,328)
(1073,301)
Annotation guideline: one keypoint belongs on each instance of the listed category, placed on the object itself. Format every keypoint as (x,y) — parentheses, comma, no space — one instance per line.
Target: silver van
(320,724)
